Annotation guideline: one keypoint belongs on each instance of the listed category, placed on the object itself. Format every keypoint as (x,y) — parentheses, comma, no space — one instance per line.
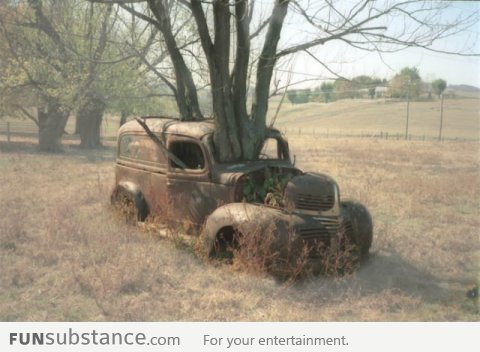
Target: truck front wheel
(358,226)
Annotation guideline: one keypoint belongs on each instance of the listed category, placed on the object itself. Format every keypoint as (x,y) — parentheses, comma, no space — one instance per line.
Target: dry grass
(461,118)
(65,255)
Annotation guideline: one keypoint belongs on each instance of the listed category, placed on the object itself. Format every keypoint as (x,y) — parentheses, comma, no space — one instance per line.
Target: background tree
(439,86)
(292,95)
(75,57)
(35,71)
(355,87)
(13,96)
(46,61)
(343,89)
(327,91)
(298,96)
(366,83)
(406,84)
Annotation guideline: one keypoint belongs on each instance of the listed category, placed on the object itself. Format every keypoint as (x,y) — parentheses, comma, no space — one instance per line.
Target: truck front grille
(321,234)
(324,233)
(314,203)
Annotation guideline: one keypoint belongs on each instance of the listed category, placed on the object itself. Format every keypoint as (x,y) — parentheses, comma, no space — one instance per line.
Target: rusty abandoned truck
(175,172)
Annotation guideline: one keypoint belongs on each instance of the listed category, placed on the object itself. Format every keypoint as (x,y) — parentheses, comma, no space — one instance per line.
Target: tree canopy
(406,84)
(327,90)
(71,57)
(230,46)
(230,60)
(439,86)
(298,96)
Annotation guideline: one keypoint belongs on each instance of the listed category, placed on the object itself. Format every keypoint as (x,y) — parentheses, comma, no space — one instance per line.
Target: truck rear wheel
(133,206)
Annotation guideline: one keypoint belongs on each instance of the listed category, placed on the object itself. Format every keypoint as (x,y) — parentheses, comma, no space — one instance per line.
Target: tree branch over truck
(368,25)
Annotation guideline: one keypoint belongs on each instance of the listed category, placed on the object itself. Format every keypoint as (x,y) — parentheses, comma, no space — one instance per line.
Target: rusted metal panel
(157,124)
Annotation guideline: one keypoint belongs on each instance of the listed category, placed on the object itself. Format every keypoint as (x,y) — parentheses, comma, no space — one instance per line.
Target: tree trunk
(123,117)
(77,126)
(51,125)
(266,64)
(90,117)
(238,135)
(249,136)
(227,134)
(186,97)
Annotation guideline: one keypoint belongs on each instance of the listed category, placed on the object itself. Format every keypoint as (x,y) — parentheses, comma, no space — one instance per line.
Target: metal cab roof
(160,124)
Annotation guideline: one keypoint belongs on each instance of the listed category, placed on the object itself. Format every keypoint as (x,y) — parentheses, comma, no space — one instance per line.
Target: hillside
(463,88)
(372,117)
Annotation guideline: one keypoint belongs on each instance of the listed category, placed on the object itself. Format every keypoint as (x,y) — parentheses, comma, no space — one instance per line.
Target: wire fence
(14,130)
(10,130)
(378,134)
(17,129)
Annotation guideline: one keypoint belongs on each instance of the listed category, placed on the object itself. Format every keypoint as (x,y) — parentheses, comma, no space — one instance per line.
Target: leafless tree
(225,29)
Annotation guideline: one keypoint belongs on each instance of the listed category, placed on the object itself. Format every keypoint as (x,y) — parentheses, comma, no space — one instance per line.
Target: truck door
(189,186)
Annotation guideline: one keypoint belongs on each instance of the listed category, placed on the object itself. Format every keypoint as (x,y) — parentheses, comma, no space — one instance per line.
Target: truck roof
(160,124)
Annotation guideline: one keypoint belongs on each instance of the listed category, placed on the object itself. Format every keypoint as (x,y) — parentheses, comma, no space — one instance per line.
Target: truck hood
(229,174)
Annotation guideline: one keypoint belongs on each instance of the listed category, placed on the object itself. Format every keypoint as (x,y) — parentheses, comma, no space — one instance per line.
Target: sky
(350,62)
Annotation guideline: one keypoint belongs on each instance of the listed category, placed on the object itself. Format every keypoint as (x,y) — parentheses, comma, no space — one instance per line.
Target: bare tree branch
(117,1)
(139,14)
(206,40)
(187,100)
(260,28)
(155,71)
(267,62)
(28,115)
(323,64)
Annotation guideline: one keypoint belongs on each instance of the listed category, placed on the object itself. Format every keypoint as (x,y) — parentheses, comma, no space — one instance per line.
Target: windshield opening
(273,149)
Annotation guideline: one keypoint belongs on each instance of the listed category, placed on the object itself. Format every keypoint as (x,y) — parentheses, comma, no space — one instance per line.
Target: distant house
(362,93)
(381,92)
(449,92)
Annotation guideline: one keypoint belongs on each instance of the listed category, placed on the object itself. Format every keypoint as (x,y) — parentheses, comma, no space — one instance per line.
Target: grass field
(370,118)
(461,118)
(66,255)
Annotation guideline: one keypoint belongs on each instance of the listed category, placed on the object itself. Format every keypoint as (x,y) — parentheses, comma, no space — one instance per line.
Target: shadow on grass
(389,270)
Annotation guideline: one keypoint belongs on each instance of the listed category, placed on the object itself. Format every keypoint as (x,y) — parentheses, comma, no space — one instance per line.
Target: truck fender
(240,218)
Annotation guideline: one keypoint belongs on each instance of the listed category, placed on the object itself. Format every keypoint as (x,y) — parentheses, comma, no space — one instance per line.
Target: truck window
(188,152)
(141,149)
(274,149)
(269,149)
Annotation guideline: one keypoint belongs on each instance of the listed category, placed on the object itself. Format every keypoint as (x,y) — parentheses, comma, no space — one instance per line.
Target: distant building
(449,92)
(362,93)
(381,92)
